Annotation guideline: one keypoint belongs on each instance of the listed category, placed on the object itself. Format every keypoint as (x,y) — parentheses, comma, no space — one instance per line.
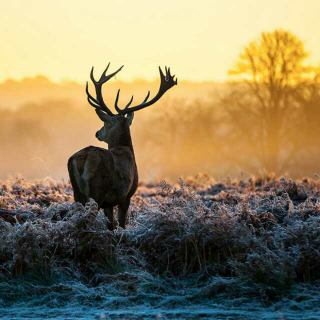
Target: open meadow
(242,249)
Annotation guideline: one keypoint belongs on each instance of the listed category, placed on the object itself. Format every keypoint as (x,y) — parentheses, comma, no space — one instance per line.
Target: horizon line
(68,80)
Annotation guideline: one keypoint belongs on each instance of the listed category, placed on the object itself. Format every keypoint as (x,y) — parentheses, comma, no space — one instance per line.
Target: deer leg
(77,194)
(108,212)
(123,212)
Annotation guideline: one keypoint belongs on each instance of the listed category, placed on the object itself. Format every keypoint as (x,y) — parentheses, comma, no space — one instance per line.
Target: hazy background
(247,102)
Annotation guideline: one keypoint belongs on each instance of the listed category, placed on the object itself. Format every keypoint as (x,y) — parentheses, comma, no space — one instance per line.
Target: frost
(256,239)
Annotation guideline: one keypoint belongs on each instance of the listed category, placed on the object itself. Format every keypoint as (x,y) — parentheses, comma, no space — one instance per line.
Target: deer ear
(130,117)
(103,116)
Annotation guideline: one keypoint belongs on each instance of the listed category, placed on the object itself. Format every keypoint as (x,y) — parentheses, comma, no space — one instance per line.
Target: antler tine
(104,78)
(94,105)
(167,82)
(169,74)
(92,100)
(89,95)
(162,77)
(129,103)
(99,103)
(106,69)
(146,98)
(116,103)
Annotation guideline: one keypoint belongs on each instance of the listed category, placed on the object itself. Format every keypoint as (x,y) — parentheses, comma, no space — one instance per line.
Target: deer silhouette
(110,176)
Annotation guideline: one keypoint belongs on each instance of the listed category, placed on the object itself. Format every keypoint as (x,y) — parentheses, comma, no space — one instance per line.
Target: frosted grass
(199,249)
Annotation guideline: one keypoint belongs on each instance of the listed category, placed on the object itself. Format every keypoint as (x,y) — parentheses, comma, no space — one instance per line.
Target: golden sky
(200,39)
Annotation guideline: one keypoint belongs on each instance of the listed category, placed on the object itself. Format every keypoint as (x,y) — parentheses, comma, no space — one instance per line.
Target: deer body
(110,177)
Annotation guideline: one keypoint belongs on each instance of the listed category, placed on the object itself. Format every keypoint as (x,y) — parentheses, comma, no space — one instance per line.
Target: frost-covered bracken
(263,231)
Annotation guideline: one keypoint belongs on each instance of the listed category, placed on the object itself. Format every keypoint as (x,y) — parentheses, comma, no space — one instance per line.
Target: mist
(197,127)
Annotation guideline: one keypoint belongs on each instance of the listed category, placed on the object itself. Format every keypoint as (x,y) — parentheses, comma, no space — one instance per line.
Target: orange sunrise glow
(204,124)
(63,39)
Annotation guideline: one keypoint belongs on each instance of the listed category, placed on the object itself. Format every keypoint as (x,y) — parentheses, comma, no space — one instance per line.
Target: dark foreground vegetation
(199,241)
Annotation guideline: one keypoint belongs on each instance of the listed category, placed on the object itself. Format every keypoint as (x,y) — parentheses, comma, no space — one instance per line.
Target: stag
(110,176)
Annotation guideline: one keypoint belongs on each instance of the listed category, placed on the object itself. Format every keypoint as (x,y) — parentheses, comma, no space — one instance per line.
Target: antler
(167,82)
(98,103)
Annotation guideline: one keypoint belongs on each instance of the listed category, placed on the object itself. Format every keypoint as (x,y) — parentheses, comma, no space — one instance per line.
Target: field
(243,249)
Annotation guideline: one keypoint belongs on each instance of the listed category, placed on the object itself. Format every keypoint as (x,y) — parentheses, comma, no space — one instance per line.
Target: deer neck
(122,140)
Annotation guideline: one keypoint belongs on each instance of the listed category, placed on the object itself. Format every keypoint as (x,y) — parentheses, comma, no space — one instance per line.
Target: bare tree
(262,106)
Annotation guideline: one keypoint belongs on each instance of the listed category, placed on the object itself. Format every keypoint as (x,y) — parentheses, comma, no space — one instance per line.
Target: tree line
(265,119)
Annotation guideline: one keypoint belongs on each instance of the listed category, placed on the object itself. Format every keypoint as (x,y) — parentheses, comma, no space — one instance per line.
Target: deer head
(116,124)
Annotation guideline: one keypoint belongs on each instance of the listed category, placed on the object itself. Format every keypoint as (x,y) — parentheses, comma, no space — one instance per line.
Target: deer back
(109,175)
